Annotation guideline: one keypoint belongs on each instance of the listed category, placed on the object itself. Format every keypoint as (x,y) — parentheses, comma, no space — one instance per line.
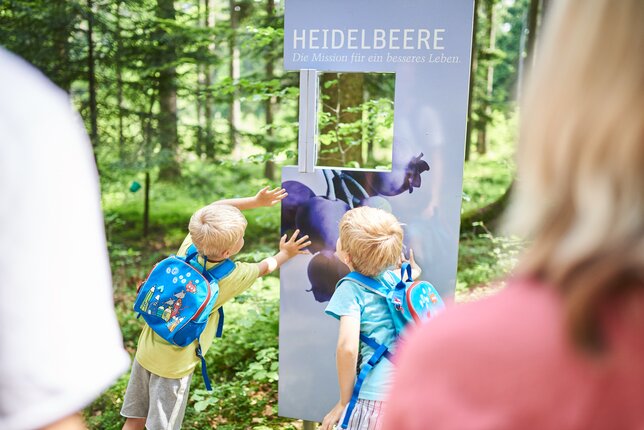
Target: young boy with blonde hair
(370,243)
(157,391)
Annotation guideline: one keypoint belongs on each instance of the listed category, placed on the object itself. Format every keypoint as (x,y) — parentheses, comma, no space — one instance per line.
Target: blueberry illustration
(324,272)
(319,217)
(298,193)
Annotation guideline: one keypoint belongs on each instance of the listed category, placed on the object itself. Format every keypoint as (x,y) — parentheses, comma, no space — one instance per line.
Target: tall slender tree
(343,95)
(118,65)
(168,135)
(473,68)
(60,39)
(486,108)
(91,75)
(209,17)
(234,107)
(269,103)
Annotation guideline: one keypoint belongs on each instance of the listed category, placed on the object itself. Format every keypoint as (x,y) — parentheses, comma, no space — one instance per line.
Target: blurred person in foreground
(562,347)
(60,343)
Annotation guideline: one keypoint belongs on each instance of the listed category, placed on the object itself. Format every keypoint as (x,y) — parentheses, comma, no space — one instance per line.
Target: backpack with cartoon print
(177,298)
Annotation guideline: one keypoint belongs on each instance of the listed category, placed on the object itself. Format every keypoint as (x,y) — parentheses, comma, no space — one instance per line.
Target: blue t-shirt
(351,299)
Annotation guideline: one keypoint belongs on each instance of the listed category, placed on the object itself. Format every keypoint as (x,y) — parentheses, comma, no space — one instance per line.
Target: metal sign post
(307,137)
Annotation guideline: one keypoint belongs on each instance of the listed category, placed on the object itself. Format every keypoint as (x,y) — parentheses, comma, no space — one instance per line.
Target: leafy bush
(484,258)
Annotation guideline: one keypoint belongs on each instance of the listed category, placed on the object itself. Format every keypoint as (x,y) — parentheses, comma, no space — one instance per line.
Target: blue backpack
(177,298)
(409,302)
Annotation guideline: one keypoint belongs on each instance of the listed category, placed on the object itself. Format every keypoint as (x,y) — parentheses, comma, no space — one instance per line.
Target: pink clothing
(506,363)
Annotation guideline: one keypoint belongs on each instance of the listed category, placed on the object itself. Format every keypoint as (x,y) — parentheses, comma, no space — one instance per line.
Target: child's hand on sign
(415,268)
(268,197)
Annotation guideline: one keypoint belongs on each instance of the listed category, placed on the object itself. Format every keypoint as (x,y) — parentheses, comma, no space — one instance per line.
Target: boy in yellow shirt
(157,391)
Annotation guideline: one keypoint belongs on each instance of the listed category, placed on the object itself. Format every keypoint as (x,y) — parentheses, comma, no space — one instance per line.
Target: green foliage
(487,177)
(372,131)
(244,362)
(485,258)
(104,412)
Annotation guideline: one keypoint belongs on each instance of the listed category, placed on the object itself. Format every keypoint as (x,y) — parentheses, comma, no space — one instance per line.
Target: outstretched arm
(288,249)
(265,197)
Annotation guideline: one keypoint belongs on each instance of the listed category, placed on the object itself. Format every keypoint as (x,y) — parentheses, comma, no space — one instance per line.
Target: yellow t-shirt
(170,361)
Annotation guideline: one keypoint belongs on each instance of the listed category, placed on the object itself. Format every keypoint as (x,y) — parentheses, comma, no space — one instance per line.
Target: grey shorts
(161,401)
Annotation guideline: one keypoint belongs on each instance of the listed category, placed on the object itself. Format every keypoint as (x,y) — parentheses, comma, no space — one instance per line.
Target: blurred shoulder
(27,89)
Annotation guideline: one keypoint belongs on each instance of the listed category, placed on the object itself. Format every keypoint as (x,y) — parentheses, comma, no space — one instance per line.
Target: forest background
(187,102)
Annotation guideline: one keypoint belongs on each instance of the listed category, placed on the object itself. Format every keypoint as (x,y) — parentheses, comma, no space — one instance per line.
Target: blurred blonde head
(372,239)
(216,229)
(580,194)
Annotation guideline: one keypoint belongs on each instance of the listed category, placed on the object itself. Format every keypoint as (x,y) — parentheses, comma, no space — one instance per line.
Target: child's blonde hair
(372,238)
(216,228)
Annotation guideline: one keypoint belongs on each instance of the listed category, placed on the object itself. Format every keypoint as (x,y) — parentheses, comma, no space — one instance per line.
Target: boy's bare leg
(134,424)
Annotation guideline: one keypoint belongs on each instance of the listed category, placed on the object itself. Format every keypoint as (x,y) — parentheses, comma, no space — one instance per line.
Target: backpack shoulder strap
(222,270)
(191,253)
(366,282)
(405,268)
(379,352)
(219,272)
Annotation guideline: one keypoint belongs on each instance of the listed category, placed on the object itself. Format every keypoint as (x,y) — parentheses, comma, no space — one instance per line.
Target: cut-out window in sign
(356,120)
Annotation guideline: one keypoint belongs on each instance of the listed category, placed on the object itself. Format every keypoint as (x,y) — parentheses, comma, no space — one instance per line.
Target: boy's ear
(226,253)
(344,257)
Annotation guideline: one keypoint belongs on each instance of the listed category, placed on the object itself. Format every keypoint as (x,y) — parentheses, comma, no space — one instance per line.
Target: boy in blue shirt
(371,242)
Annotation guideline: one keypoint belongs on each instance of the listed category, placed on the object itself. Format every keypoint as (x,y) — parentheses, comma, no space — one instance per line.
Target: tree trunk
(119,80)
(146,205)
(208,105)
(370,134)
(473,66)
(168,136)
(347,93)
(269,167)
(352,96)
(60,32)
(234,107)
(91,76)
(487,108)
(201,89)
(146,128)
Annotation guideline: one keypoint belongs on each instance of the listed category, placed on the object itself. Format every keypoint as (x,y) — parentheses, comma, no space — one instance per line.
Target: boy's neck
(209,260)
